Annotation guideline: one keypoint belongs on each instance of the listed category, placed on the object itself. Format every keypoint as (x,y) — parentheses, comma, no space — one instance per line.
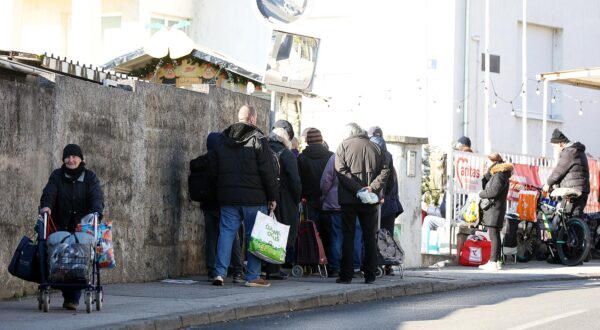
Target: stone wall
(139,143)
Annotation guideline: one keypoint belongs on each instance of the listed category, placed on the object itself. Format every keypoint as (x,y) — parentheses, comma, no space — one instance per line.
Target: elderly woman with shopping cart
(71,193)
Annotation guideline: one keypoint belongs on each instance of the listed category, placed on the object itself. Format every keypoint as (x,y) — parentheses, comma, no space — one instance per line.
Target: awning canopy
(588,78)
(126,63)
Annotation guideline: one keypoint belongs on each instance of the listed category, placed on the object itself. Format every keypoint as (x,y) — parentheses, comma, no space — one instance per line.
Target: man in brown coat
(360,165)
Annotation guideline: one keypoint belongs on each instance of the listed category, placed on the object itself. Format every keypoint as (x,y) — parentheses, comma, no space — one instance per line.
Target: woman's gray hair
(280,134)
(352,129)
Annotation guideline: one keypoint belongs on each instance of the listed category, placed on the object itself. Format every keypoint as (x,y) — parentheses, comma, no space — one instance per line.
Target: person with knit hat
(71,193)
(311,164)
(572,169)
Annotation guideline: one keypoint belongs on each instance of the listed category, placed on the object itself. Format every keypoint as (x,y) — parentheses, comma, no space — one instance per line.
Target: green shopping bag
(268,239)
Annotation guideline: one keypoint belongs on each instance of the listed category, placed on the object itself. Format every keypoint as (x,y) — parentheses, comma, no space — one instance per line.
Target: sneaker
(211,278)
(490,266)
(358,274)
(258,283)
(238,278)
(333,274)
(340,281)
(369,281)
(70,305)
(218,281)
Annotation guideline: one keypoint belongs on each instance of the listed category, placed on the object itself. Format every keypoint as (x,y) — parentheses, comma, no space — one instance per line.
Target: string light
(495,103)
(580,112)
(512,112)
(553,99)
(537,91)
(458,108)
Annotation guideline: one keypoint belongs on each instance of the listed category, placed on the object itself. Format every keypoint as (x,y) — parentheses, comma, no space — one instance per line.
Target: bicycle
(567,238)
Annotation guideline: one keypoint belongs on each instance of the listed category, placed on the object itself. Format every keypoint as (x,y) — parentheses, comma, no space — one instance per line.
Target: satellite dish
(282,11)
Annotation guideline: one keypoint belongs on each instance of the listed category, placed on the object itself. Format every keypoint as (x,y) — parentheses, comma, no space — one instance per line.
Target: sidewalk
(172,306)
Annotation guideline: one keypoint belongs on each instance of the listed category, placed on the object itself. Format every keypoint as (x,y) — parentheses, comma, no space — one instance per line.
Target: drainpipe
(466,72)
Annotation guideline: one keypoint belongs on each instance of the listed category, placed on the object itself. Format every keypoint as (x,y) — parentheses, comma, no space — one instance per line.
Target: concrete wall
(139,143)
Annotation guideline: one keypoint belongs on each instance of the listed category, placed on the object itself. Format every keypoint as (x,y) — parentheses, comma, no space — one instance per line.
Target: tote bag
(268,239)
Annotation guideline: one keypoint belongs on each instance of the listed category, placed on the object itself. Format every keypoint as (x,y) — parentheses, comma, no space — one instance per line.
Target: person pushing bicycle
(571,171)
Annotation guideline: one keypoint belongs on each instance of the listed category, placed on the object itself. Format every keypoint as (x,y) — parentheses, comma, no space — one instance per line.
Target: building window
(167,22)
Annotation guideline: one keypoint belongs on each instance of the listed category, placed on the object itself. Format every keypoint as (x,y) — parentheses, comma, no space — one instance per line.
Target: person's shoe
(333,273)
(389,271)
(258,283)
(218,281)
(499,265)
(358,274)
(340,281)
(489,266)
(211,279)
(369,281)
(238,278)
(70,305)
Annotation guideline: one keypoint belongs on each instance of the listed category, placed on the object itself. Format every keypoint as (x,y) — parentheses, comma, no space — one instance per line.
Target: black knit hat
(558,137)
(72,150)
(313,136)
(465,141)
(286,126)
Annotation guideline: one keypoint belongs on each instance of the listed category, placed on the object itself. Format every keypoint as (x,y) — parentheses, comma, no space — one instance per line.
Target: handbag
(268,239)
(486,203)
(25,262)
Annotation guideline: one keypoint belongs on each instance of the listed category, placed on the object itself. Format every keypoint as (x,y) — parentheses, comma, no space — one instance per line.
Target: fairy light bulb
(495,104)
(458,109)
(553,99)
(537,91)
(580,112)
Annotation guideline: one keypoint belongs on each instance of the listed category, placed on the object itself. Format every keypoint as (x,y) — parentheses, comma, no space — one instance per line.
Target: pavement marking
(548,320)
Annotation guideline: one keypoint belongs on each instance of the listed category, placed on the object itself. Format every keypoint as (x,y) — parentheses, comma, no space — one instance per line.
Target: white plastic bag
(268,239)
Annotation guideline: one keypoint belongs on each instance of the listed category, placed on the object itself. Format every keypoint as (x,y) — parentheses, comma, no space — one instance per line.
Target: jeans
(337,238)
(211,234)
(231,220)
(367,216)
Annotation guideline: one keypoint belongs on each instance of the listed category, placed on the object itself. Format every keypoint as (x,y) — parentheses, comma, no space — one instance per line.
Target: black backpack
(198,180)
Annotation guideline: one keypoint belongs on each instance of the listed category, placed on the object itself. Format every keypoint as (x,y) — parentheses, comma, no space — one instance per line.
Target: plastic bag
(70,259)
(105,252)
(471,210)
(268,239)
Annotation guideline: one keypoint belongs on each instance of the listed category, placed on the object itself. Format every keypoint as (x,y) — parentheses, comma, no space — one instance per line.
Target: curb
(298,303)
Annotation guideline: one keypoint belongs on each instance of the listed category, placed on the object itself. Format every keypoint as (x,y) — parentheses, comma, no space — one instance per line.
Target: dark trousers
(387,222)
(367,217)
(211,234)
(579,204)
(496,243)
(71,295)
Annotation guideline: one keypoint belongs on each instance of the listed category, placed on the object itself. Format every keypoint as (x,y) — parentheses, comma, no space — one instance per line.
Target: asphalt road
(544,305)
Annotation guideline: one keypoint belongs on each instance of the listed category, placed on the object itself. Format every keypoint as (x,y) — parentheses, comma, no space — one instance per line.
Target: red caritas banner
(522,175)
(468,171)
(593,204)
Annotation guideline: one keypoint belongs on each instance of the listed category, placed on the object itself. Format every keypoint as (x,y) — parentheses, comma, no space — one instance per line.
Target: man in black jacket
(572,170)
(246,182)
(360,165)
(311,164)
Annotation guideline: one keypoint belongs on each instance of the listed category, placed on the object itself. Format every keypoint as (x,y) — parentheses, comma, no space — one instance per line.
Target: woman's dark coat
(70,199)
(495,187)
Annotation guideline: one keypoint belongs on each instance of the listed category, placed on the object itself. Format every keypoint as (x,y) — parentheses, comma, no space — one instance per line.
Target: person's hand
(368,189)
(382,201)
(272,205)
(424,206)
(546,188)
(46,210)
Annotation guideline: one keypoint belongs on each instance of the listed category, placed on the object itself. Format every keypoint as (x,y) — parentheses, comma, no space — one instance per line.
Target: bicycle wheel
(573,242)
(526,243)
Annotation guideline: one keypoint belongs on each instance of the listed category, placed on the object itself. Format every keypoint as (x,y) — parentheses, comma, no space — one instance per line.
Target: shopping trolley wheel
(380,271)
(45,301)
(99,299)
(297,271)
(88,301)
